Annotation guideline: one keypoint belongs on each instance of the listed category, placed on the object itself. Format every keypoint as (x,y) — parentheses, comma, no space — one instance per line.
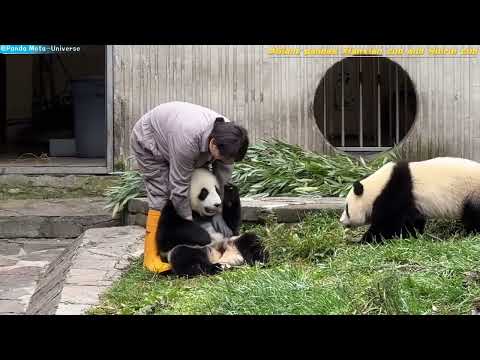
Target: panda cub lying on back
(195,247)
(398,198)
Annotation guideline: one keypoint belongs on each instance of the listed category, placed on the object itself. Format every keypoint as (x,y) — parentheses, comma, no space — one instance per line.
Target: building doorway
(53,112)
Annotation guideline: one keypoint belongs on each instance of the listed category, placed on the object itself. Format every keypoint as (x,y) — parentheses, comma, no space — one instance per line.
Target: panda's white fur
(362,205)
(196,247)
(225,252)
(211,205)
(203,178)
(221,250)
(443,187)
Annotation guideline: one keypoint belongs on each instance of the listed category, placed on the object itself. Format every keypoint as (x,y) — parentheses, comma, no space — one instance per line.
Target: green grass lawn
(316,269)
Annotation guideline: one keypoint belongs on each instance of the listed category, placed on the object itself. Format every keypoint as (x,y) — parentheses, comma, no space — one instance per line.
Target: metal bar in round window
(361,104)
(379,115)
(363,148)
(325,107)
(390,103)
(343,108)
(397,115)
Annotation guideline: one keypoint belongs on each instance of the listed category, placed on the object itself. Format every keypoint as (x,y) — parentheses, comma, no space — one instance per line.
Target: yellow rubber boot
(151,259)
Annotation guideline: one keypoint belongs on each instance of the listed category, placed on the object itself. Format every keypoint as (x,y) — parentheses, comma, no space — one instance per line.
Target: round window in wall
(365,104)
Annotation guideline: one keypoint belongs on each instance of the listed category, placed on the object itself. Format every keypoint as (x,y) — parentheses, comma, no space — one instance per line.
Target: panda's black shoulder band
(358,188)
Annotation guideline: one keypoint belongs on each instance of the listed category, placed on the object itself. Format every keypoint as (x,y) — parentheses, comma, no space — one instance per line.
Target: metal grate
(365,104)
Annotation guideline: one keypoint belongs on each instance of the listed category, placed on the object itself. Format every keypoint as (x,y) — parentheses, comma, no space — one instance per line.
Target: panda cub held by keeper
(399,197)
(194,247)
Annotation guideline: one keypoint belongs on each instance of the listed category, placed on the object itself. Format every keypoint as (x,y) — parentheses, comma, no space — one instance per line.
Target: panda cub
(194,247)
(399,197)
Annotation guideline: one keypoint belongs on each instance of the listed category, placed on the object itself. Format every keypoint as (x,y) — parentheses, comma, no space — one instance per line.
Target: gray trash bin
(89,117)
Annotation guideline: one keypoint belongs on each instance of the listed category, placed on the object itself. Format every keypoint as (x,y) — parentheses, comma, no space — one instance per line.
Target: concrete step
(284,209)
(53,218)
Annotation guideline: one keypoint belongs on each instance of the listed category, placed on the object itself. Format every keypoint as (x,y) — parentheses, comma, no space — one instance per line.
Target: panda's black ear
(357,188)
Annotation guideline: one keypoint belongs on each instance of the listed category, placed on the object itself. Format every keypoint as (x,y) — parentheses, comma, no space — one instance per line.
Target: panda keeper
(168,143)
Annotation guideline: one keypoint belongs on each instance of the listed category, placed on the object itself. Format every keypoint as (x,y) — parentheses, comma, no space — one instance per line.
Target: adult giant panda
(399,197)
(194,247)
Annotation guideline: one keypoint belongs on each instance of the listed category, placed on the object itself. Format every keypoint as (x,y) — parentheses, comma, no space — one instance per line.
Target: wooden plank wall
(273,96)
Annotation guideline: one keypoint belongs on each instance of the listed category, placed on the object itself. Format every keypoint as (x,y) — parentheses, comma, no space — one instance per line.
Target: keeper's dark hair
(231,139)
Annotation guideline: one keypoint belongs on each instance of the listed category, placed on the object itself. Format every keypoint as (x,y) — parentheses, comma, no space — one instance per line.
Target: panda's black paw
(371,238)
(213,269)
(198,270)
(252,249)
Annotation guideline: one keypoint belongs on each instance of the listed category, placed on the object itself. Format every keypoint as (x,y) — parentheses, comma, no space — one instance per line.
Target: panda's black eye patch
(203,194)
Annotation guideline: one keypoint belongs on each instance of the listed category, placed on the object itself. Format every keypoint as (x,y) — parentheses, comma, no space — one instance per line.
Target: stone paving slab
(77,278)
(48,291)
(21,267)
(11,307)
(100,259)
(71,309)
(284,209)
(53,218)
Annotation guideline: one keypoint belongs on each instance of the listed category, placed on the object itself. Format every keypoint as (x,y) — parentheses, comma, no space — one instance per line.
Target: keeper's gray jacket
(169,142)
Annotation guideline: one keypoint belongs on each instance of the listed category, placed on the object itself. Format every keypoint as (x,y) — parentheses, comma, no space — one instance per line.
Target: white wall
(272,96)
